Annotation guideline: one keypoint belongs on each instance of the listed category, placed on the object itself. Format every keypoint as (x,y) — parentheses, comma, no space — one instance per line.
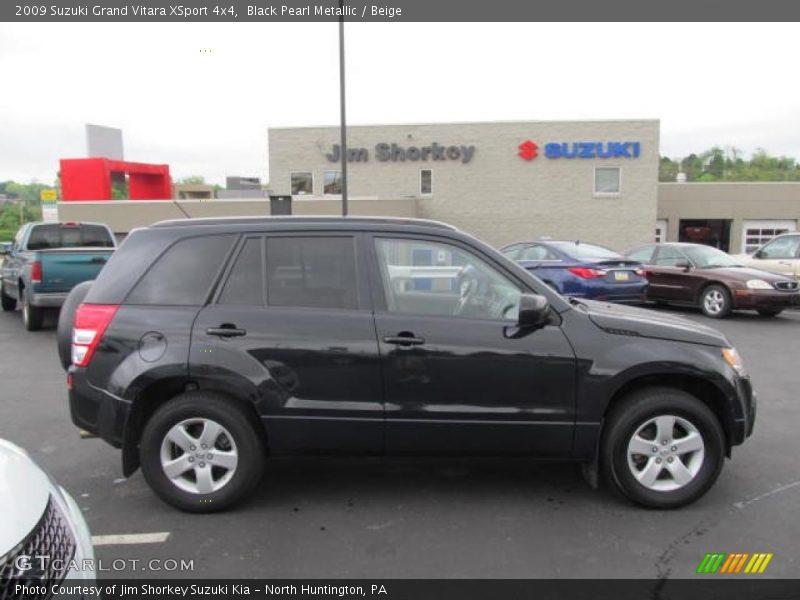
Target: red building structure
(85,179)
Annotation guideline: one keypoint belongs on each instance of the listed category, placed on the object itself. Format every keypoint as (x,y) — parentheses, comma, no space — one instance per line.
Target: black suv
(205,346)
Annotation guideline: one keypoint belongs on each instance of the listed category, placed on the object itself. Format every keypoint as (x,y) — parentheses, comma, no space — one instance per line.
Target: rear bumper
(48,300)
(768,299)
(97,411)
(620,292)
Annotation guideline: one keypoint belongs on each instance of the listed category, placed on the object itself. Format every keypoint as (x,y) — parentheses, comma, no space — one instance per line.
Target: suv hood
(627,320)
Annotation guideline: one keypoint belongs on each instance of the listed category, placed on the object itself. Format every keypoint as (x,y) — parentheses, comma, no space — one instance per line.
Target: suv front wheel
(662,448)
(200,452)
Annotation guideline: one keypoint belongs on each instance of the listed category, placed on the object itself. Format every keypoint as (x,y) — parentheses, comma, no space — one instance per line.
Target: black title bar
(145,11)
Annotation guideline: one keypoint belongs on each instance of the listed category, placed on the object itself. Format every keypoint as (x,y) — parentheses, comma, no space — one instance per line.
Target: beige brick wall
(497,196)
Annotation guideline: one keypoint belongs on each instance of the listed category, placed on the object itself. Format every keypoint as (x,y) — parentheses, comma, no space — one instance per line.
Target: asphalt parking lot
(430,518)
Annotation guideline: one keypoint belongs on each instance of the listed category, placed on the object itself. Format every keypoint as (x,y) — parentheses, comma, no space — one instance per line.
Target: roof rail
(304,219)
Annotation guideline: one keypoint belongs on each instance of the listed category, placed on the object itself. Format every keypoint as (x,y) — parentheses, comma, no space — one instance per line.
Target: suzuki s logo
(528,150)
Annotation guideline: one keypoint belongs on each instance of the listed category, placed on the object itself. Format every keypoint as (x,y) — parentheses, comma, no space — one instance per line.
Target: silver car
(43,535)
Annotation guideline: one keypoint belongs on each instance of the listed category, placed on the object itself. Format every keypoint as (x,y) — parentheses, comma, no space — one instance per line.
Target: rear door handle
(404,339)
(226,331)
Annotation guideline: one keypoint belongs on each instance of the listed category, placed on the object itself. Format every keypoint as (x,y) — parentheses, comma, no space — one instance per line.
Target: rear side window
(183,275)
(642,255)
(57,235)
(245,284)
(318,272)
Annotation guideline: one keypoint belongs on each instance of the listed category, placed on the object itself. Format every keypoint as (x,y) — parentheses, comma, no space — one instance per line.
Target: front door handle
(226,330)
(404,338)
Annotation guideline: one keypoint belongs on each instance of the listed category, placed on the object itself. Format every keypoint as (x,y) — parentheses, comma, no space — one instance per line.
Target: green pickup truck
(46,260)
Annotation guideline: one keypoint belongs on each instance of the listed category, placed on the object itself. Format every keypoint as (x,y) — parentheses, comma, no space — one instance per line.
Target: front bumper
(746,396)
(84,551)
(764,299)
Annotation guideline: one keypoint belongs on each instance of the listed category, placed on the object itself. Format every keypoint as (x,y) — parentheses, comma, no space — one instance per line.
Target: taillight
(91,321)
(586,272)
(36,272)
(639,272)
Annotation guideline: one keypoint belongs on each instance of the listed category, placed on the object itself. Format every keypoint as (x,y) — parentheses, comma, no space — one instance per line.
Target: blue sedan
(581,270)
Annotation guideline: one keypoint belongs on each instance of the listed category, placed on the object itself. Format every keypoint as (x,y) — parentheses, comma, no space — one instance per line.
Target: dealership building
(590,180)
(501,181)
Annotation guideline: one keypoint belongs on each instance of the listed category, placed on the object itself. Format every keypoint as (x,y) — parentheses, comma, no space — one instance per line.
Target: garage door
(756,233)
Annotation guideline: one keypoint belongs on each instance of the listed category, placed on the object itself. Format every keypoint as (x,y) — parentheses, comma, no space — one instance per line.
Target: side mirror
(684,265)
(534,311)
(758,254)
(5,248)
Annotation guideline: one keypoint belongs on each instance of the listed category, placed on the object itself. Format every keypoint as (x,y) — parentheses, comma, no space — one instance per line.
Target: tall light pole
(343,125)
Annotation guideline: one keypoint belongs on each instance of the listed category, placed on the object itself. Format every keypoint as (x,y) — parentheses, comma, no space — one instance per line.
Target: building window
(758,233)
(607,181)
(332,183)
(661,231)
(302,183)
(426,182)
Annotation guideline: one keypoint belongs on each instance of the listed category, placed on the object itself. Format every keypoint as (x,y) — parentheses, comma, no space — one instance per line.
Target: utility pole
(343,125)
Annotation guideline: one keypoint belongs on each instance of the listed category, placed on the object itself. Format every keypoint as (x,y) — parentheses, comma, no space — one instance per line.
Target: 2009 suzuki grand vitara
(205,346)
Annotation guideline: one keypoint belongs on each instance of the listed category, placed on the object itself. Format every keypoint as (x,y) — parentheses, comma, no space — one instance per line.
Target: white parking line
(777,490)
(130,538)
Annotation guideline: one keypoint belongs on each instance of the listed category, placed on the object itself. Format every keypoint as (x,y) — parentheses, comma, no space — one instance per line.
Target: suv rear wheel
(662,448)
(200,452)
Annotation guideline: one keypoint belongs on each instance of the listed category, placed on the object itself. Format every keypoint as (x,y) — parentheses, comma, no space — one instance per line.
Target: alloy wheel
(199,456)
(666,453)
(714,301)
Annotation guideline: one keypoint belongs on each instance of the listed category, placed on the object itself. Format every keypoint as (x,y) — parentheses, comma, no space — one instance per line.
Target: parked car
(581,270)
(205,346)
(780,255)
(43,536)
(46,260)
(699,275)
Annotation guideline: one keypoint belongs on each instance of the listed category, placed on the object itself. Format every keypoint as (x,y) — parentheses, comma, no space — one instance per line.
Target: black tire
(8,302)
(636,410)
(724,304)
(32,316)
(66,317)
(247,439)
(769,312)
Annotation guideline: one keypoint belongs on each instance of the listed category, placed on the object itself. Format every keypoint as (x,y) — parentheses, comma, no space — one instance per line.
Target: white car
(43,535)
(779,255)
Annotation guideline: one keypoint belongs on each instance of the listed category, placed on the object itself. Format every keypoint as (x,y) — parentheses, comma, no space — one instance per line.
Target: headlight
(732,357)
(758,284)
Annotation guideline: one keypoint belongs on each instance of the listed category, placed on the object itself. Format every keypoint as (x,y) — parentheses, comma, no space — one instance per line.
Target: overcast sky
(206,113)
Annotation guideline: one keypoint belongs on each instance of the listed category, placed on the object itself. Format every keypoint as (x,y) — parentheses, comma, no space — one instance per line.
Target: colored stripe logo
(737,562)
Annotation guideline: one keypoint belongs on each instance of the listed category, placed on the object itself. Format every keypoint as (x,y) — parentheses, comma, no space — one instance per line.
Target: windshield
(706,257)
(589,252)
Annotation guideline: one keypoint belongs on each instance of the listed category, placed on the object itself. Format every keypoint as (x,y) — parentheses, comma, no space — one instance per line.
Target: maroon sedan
(698,275)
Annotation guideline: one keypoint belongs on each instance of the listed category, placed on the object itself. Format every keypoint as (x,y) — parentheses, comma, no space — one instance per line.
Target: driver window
(434,279)
(782,247)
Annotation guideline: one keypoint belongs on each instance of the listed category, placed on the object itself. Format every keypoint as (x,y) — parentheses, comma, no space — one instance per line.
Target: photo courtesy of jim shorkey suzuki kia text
(122,590)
